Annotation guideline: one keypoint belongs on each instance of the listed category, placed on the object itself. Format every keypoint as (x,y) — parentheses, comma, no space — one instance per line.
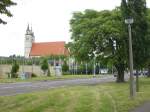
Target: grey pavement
(143,108)
(26,87)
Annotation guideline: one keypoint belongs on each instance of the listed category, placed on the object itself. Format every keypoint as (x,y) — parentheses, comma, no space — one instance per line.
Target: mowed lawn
(108,97)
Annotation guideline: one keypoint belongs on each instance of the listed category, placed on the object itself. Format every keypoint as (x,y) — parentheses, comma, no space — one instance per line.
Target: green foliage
(81,68)
(57,57)
(33,75)
(20,60)
(44,65)
(65,67)
(14,70)
(48,72)
(137,10)
(94,34)
(4,4)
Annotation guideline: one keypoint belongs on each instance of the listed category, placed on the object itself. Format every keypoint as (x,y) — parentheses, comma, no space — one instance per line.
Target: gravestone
(58,70)
(25,75)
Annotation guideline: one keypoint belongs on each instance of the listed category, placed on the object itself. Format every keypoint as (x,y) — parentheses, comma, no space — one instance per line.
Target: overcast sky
(49,20)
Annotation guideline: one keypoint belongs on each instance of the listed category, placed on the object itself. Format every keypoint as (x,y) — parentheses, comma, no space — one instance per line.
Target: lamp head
(129,21)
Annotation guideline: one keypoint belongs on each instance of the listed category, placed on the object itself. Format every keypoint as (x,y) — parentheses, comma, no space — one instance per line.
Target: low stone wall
(5,69)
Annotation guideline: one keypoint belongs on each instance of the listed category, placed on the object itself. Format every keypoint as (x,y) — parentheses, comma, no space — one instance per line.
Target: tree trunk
(120,69)
(137,81)
(148,71)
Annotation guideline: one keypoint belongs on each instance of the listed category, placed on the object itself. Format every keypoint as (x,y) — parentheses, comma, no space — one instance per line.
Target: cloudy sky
(49,20)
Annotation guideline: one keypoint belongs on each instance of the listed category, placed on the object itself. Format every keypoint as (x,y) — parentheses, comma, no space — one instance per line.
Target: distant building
(33,49)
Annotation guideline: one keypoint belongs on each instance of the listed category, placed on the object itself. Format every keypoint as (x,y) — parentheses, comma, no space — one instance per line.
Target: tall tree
(148,41)
(94,35)
(137,10)
(4,4)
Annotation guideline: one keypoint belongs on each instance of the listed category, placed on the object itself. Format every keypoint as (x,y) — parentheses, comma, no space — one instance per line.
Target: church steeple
(29,39)
(28,29)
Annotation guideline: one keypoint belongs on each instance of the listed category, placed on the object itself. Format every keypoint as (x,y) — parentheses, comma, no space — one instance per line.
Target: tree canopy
(137,10)
(99,35)
(104,35)
(4,4)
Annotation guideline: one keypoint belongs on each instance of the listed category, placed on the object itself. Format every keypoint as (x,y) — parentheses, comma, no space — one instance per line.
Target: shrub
(65,67)
(45,66)
(33,75)
(48,73)
(14,70)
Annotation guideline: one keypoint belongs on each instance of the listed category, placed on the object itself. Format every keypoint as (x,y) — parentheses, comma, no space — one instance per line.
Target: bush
(48,73)
(14,70)
(14,75)
(44,65)
(65,67)
(33,75)
(66,73)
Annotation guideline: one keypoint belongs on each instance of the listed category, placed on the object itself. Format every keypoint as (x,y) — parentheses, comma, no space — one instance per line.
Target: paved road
(26,87)
(143,108)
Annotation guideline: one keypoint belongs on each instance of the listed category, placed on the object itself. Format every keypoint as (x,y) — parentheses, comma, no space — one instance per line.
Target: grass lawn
(40,78)
(108,97)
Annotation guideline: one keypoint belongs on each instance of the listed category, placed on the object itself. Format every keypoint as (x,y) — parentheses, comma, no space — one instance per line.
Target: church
(38,49)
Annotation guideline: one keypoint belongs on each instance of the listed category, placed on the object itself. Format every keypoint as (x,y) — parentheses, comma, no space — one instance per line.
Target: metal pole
(23,65)
(112,70)
(76,68)
(86,68)
(132,84)
(94,68)
(32,64)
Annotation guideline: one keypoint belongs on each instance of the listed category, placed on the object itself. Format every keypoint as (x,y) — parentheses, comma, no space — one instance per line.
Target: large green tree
(104,34)
(99,35)
(148,41)
(137,10)
(4,4)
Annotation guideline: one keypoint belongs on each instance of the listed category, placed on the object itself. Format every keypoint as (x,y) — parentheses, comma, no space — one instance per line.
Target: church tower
(29,39)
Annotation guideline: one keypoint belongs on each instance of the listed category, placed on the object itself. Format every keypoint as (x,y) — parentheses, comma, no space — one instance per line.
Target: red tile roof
(48,48)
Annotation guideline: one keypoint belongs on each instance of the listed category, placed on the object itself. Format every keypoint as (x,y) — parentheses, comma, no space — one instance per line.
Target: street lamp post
(94,68)
(132,83)
(86,68)
(114,49)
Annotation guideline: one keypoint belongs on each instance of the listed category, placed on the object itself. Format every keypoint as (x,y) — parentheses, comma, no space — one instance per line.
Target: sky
(49,20)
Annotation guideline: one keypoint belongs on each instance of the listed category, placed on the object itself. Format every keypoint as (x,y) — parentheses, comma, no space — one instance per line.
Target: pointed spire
(28,28)
(31,28)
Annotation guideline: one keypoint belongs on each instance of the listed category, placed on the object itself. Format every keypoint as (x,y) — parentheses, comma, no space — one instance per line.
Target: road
(27,87)
(143,108)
